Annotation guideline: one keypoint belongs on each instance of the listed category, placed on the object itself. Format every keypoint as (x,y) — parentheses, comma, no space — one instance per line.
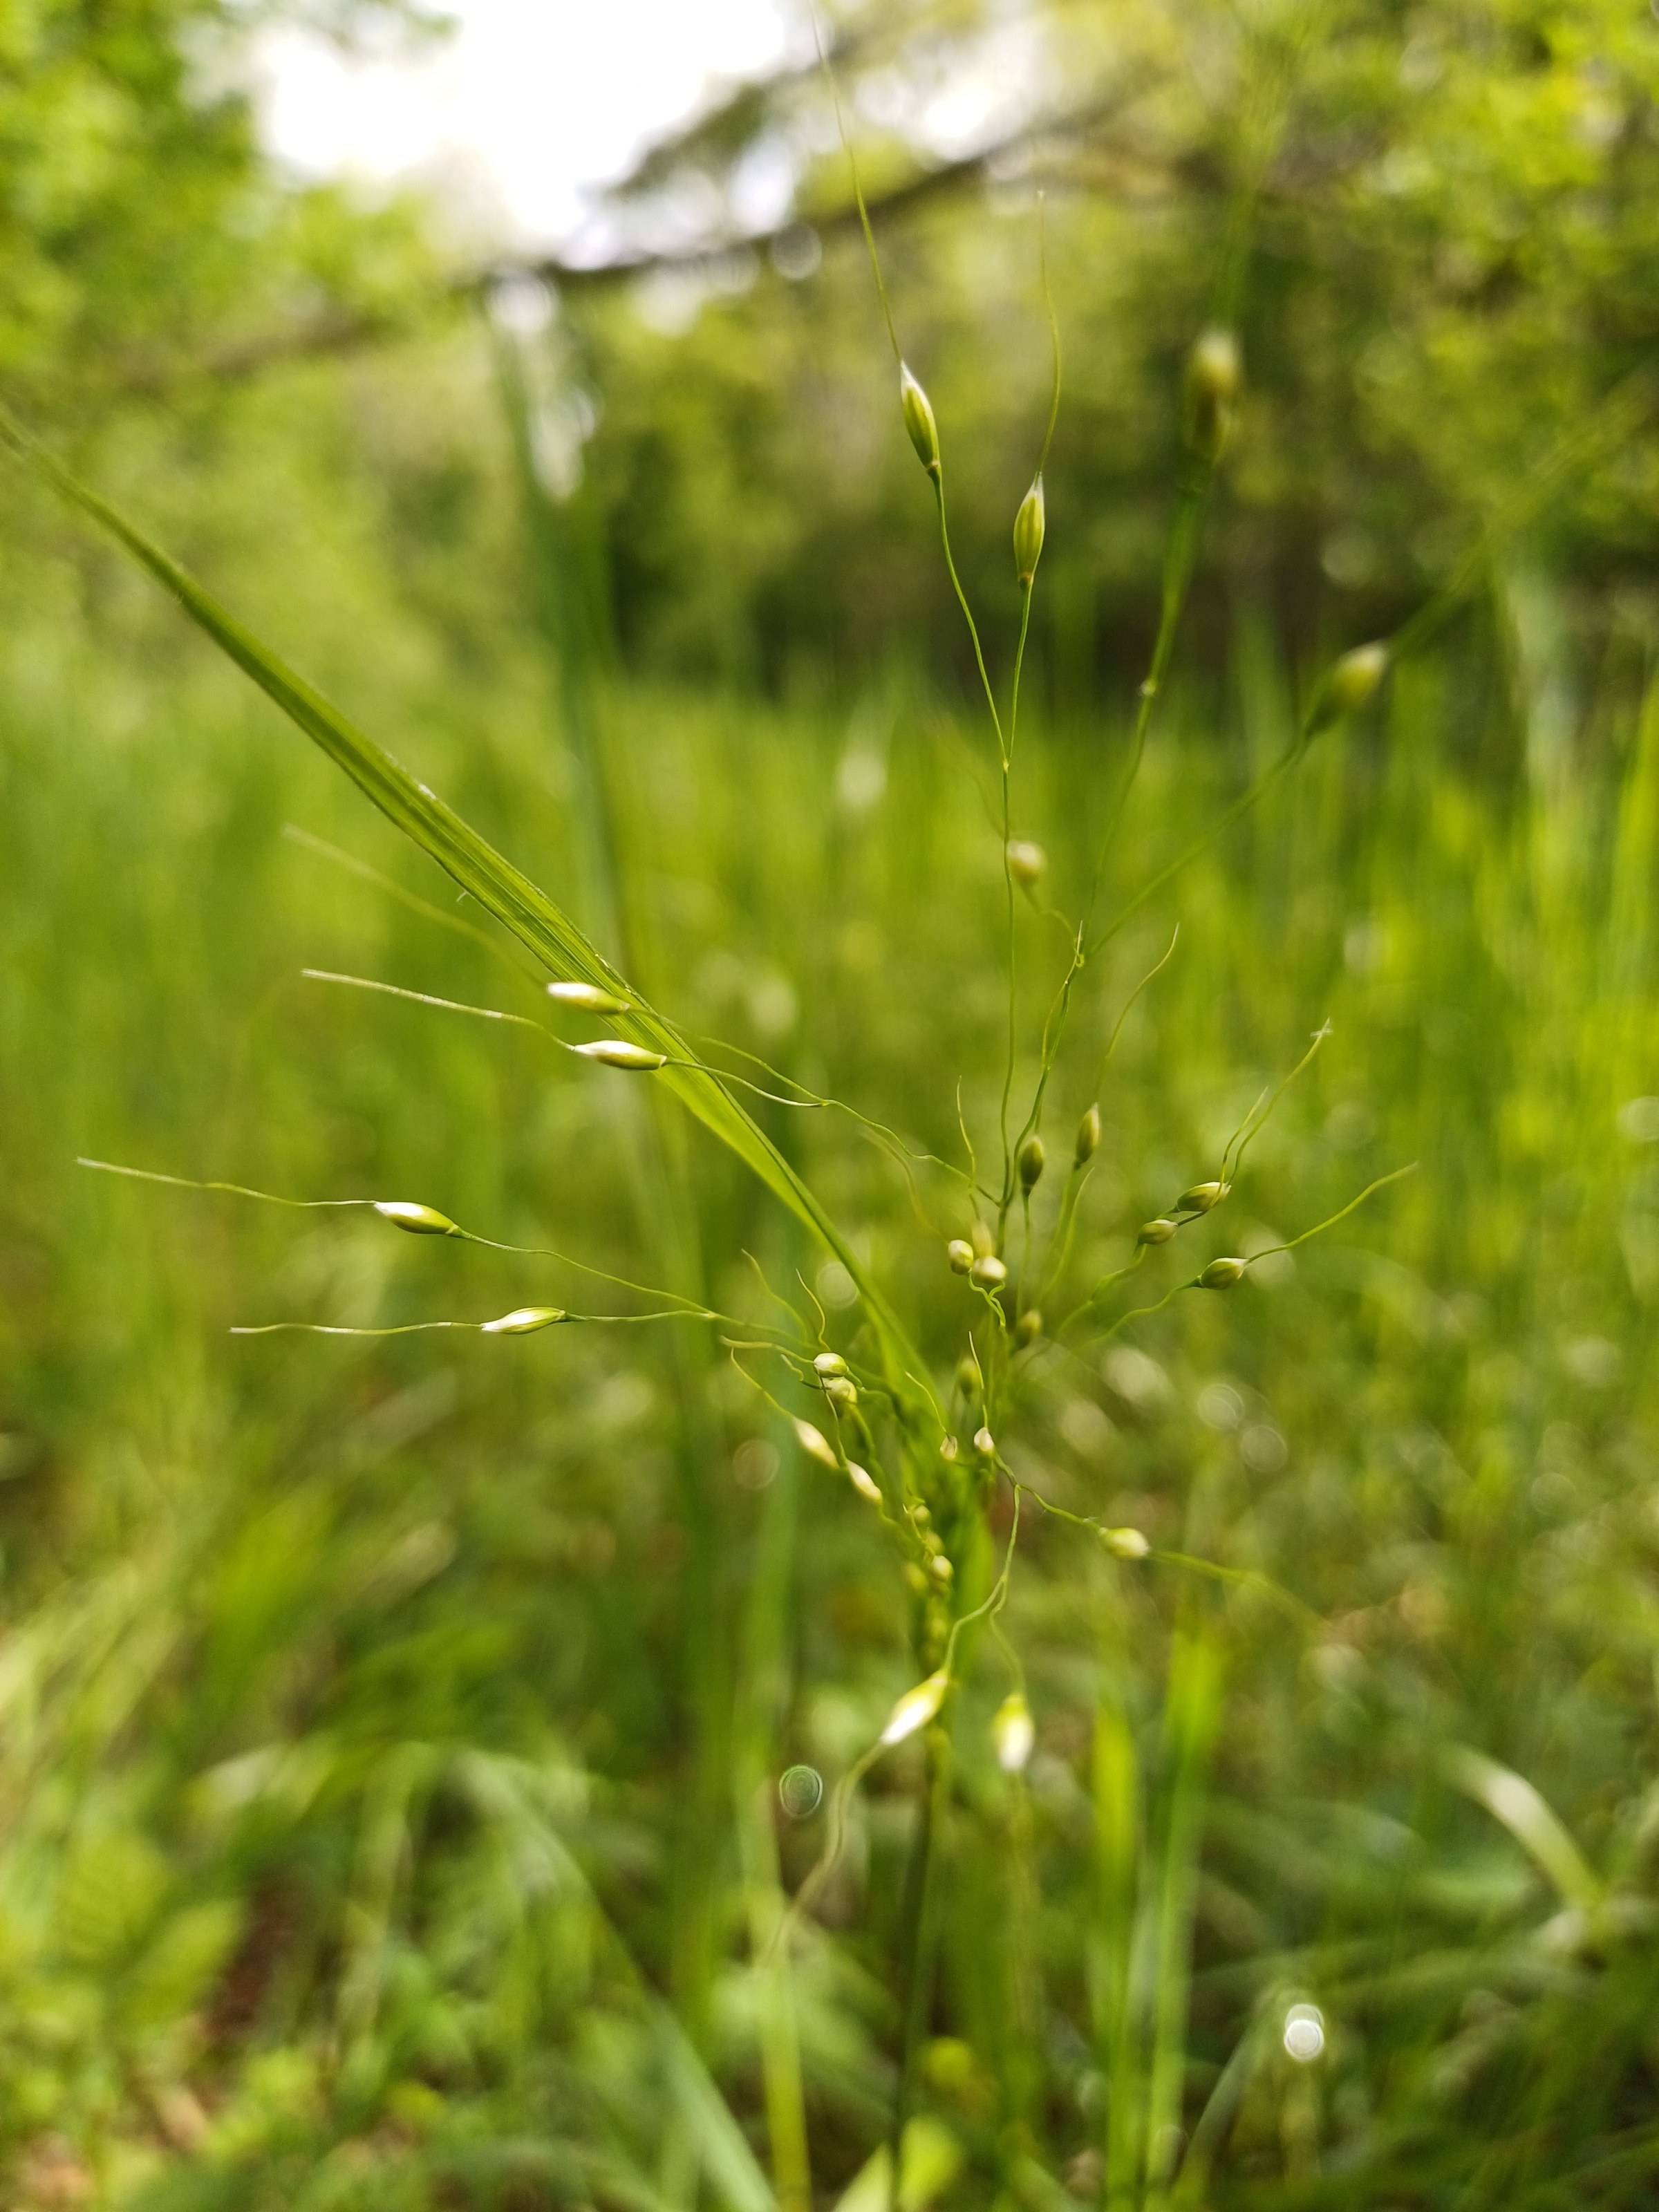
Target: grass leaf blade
(499,887)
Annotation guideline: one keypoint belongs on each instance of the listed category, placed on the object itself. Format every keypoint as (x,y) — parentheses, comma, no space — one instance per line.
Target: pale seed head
(985,1443)
(829,1363)
(960,1253)
(918,420)
(587,998)
(985,1238)
(1221,1274)
(1029,1327)
(1214,365)
(816,1444)
(941,1568)
(1156,1232)
(1028,533)
(864,1482)
(970,1381)
(1214,373)
(1202,1197)
(617,1052)
(1088,1137)
(418,1220)
(842,1391)
(916,1708)
(1013,1733)
(1026,860)
(524,1320)
(988,1273)
(1348,685)
(1031,1158)
(949,1451)
(1125,1543)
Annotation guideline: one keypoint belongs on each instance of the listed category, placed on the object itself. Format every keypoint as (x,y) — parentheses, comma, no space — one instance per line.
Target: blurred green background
(392,1729)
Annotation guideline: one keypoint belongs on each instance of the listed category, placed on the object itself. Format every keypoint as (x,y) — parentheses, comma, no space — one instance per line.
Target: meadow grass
(394,1724)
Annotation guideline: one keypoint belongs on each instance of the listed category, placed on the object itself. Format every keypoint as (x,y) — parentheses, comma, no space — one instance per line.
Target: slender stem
(1027,585)
(1024,2045)
(1003,757)
(1008,1190)
(858,188)
(1054,329)
(1191,1713)
(1060,1246)
(937,474)
(1177,576)
(916,1950)
(1008,884)
(762,1694)
(1117,1794)
(1223,822)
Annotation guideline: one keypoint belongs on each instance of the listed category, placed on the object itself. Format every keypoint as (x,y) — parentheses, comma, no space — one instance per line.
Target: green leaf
(1512,1800)
(497,885)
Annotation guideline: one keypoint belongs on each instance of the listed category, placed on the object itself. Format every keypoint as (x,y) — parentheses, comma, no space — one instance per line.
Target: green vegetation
(460,1768)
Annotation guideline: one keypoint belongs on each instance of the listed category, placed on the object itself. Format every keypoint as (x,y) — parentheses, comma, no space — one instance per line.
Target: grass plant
(1238,1792)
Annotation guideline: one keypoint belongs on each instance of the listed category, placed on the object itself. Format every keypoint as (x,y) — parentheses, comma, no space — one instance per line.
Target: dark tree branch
(341,331)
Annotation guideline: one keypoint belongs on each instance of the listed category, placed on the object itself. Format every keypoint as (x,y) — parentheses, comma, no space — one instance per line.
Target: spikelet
(842,1391)
(1156,1232)
(1026,860)
(1221,1274)
(418,1220)
(816,1445)
(617,1052)
(1125,1543)
(1088,1137)
(918,420)
(916,1708)
(1027,1328)
(525,1321)
(587,998)
(1214,373)
(1214,365)
(960,1253)
(864,1482)
(985,1443)
(829,1363)
(970,1381)
(1202,1197)
(1348,683)
(988,1273)
(1031,1162)
(1029,526)
(1013,1733)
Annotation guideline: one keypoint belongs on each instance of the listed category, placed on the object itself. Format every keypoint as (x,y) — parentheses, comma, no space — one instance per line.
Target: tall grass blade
(1117,1848)
(500,888)
(1511,1799)
(1192,1710)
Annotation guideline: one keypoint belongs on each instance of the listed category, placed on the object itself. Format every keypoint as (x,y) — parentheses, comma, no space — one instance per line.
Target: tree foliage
(143,234)
(1453,248)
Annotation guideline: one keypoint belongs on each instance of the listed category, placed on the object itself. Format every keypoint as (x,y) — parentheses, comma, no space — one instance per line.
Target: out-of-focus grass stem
(915,1958)
(1190,1714)
(760,1697)
(1008,892)
(568,600)
(1029,529)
